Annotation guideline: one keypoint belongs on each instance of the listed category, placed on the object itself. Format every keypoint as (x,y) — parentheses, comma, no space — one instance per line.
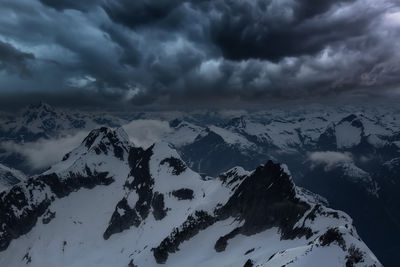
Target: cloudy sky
(160,53)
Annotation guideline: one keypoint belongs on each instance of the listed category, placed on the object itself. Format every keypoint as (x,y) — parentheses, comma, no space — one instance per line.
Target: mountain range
(111,203)
(348,155)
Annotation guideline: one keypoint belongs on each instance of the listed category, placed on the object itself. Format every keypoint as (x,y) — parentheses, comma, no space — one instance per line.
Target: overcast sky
(159,53)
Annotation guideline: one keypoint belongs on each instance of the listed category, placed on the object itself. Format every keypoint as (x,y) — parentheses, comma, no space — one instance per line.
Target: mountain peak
(353,119)
(96,135)
(39,108)
(237,123)
(101,142)
(41,105)
(104,139)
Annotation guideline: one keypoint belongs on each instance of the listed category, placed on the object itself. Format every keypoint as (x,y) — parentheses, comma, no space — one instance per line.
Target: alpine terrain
(111,203)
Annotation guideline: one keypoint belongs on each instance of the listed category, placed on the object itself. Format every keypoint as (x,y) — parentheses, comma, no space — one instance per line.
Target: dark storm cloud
(71,4)
(243,31)
(251,29)
(168,52)
(14,60)
(129,54)
(136,13)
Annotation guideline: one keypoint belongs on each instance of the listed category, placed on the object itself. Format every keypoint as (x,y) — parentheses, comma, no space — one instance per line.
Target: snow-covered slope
(109,203)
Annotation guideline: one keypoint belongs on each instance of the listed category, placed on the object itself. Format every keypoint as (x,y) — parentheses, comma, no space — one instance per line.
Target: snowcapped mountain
(109,203)
(9,177)
(212,142)
(363,185)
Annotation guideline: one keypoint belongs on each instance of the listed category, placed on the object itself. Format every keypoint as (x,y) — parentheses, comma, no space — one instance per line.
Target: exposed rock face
(157,203)
(183,194)
(177,165)
(63,187)
(48,216)
(200,220)
(332,235)
(355,256)
(141,181)
(265,199)
(109,141)
(123,217)
(232,177)
(18,213)
(249,263)
(222,242)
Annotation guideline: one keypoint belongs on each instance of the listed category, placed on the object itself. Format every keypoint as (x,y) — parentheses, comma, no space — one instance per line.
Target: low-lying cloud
(45,152)
(330,159)
(146,132)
